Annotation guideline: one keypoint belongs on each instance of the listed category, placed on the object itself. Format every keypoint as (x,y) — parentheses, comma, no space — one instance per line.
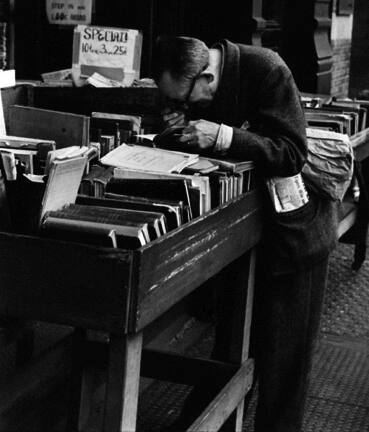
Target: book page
(148,159)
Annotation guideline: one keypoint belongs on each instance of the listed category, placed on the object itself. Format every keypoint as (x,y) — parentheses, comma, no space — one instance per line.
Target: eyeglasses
(192,86)
(183,104)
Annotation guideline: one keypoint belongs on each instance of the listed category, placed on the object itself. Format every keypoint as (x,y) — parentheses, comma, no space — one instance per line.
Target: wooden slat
(360,144)
(171,267)
(74,399)
(64,128)
(182,369)
(347,222)
(18,95)
(226,401)
(62,282)
(239,290)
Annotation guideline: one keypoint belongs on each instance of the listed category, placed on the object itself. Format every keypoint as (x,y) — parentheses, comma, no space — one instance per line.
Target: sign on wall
(114,53)
(69,12)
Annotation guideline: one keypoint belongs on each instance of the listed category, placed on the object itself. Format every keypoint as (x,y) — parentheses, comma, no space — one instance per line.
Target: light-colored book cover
(62,184)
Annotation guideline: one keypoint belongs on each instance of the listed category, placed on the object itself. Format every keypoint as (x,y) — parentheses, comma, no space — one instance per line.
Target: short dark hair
(182,56)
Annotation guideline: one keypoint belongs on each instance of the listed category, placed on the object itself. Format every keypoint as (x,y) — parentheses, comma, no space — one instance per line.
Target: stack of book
(230,180)
(180,186)
(112,130)
(131,196)
(129,229)
(28,194)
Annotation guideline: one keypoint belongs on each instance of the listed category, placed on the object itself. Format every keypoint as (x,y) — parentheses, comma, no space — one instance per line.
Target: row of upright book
(129,208)
(125,195)
(175,196)
(341,115)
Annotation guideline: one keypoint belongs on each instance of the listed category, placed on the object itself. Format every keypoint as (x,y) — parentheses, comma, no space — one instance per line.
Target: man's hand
(200,133)
(173,118)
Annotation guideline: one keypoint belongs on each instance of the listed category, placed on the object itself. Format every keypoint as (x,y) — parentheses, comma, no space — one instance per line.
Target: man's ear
(209,76)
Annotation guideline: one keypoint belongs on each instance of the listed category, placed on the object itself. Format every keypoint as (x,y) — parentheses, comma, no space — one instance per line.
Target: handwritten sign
(69,12)
(112,52)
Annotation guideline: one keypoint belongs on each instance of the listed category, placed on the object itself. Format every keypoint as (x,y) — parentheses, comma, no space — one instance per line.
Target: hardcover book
(62,183)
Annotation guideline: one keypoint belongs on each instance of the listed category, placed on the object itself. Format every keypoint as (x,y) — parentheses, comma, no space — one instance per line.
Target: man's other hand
(173,118)
(200,133)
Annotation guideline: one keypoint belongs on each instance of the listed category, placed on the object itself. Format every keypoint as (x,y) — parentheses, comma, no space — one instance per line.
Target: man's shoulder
(261,57)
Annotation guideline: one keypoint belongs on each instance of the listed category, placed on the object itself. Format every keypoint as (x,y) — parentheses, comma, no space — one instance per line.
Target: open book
(136,157)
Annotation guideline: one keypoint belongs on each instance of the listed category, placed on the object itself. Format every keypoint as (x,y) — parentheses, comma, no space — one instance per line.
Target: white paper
(136,157)
(69,12)
(287,193)
(98,80)
(107,46)
(149,137)
(7,78)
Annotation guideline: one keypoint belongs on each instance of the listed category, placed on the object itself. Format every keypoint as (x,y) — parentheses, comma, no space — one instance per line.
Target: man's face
(180,94)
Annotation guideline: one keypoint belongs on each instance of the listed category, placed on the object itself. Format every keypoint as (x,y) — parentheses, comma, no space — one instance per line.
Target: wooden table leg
(246,328)
(241,279)
(122,383)
(79,336)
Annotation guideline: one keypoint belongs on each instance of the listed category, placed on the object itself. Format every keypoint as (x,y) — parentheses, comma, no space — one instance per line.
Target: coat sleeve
(276,140)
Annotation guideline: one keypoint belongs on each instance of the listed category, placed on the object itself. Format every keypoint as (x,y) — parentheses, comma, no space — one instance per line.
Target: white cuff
(224,139)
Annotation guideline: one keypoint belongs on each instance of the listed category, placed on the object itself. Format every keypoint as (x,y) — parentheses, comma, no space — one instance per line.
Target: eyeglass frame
(183,104)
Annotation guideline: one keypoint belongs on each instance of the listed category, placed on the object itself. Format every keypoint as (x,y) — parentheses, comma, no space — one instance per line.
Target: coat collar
(225,102)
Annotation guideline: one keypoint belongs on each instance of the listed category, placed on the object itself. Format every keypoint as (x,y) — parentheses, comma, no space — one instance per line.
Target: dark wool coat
(257,90)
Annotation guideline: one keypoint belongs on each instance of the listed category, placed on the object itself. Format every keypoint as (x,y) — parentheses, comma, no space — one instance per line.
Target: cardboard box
(114,53)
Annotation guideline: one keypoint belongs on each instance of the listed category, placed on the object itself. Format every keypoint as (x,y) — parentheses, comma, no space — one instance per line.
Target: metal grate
(347,296)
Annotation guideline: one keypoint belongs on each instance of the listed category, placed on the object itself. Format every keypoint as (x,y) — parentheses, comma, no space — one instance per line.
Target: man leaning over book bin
(241,101)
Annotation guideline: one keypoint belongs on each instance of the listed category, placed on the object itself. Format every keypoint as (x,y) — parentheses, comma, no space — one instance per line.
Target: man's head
(182,72)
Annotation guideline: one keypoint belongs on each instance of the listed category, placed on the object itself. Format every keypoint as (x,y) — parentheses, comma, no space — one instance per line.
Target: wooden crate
(116,290)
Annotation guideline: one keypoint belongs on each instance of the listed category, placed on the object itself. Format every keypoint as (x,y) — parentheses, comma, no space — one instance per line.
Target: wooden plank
(64,282)
(234,323)
(173,266)
(241,320)
(75,396)
(182,369)
(18,95)
(64,128)
(226,401)
(244,351)
(166,366)
(123,382)
(347,222)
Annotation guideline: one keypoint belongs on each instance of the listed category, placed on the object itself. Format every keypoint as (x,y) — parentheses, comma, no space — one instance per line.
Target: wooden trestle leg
(229,403)
(122,383)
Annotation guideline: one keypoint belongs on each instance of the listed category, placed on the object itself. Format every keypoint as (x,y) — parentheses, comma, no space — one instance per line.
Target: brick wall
(341,67)
(359,74)
(341,37)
